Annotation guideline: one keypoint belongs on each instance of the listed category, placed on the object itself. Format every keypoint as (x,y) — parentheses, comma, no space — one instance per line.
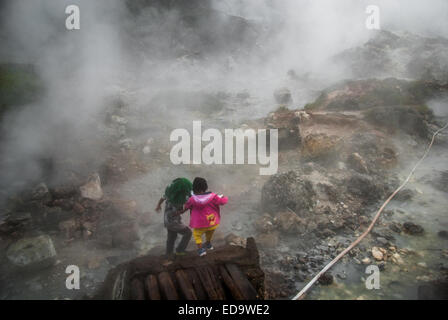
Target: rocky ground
(346,162)
(340,156)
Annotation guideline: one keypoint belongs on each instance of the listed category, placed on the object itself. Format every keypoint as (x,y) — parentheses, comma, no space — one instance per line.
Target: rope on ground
(362,236)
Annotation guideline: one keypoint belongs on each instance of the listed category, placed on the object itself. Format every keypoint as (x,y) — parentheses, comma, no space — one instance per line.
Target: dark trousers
(172,236)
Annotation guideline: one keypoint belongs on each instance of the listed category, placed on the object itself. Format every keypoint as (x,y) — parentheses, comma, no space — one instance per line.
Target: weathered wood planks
(241,282)
(167,286)
(152,287)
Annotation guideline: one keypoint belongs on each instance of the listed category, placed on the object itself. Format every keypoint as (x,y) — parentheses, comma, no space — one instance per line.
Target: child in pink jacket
(204,214)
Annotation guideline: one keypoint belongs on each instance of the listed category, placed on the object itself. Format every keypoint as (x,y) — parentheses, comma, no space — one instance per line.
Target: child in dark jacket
(204,214)
(176,194)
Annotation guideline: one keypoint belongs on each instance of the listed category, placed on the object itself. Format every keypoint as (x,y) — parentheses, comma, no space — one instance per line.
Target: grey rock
(33,253)
(412,228)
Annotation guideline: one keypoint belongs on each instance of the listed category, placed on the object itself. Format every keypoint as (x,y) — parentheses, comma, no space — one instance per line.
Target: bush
(19,85)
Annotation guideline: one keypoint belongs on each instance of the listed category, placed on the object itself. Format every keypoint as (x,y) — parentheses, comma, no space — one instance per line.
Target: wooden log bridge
(226,273)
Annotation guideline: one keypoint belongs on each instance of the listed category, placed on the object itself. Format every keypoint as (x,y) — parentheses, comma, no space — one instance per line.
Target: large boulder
(32,253)
(288,191)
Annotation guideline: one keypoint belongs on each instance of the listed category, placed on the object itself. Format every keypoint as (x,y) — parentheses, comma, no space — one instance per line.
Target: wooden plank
(152,287)
(230,284)
(197,285)
(242,282)
(167,286)
(216,280)
(208,282)
(185,285)
(137,290)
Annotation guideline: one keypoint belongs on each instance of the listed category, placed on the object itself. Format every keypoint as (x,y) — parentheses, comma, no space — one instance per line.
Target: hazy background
(142,55)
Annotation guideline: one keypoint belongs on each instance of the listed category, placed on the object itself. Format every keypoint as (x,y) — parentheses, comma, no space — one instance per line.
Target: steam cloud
(136,55)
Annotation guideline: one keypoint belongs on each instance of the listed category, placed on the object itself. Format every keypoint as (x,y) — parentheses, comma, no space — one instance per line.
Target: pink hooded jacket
(205,210)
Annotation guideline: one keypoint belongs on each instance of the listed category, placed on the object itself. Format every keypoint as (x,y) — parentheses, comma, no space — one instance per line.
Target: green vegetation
(19,85)
(316,104)
(282,108)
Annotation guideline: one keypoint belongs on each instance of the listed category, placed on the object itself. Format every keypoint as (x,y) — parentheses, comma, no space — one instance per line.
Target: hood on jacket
(203,199)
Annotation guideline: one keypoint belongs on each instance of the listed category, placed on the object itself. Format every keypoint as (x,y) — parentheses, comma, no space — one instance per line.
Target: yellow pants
(197,234)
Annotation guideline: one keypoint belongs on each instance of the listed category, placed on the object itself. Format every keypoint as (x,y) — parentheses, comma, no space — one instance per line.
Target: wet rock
(32,253)
(326,279)
(436,290)
(382,241)
(366,261)
(422,264)
(396,227)
(356,162)
(443,234)
(377,254)
(412,228)
(283,96)
(396,258)
(92,189)
(287,190)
